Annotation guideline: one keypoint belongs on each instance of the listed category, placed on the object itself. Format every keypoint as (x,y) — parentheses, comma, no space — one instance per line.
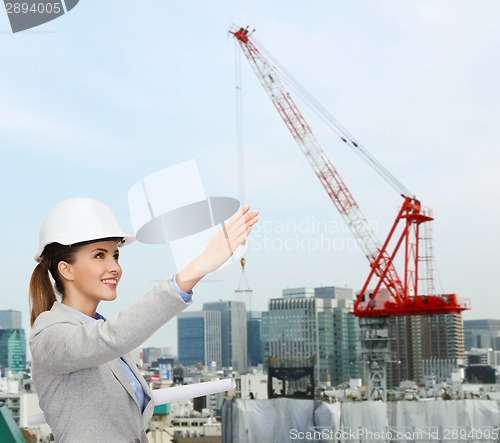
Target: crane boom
(403,298)
(333,124)
(321,164)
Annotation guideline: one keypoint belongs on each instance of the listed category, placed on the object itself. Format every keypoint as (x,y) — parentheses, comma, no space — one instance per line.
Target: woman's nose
(113,266)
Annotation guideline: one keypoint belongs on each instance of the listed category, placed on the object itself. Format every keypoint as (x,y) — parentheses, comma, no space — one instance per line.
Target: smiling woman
(89,388)
(92,277)
(68,266)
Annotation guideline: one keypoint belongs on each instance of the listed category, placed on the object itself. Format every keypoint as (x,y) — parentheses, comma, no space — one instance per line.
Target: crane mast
(404,298)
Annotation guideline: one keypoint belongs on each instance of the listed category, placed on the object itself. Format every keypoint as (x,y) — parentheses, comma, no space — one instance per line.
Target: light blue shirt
(186,296)
(134,382)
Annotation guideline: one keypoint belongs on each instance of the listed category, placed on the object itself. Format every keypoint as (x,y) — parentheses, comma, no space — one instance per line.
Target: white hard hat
(79,220)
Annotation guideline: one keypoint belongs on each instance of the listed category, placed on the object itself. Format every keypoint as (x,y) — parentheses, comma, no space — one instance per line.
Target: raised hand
(220,248)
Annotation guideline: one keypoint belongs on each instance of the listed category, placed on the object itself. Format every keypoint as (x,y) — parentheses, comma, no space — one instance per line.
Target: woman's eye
(100,255)
(117,257)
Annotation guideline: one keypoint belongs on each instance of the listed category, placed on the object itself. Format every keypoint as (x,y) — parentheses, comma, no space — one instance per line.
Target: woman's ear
(65,270)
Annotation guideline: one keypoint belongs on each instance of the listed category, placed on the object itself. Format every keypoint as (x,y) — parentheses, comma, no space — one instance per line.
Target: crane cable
(332,123)
(247,293)
(240,158)
(239,125)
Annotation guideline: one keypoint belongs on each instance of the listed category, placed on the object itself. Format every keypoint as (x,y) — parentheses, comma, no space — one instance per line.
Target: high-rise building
(13,349)
(233,320)
(484,333)
(311,324)
(293,333)
(199,338)
(406,350)
(10,319)
(12,341)
(414,339)
(254,338)
(443,336)
(347,347)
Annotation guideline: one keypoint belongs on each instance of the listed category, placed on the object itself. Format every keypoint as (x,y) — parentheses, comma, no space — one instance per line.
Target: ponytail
(42,294)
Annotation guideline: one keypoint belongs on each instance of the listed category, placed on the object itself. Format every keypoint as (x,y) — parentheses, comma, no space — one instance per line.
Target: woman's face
(95,273)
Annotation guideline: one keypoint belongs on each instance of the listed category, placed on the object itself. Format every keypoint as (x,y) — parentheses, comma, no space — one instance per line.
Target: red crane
(402,295)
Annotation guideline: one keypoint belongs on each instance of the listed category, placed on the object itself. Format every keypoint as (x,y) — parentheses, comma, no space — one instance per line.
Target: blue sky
(94,101)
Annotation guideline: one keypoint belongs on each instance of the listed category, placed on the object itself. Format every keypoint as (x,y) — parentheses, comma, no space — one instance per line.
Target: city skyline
(13,343)
(335,340)
(285,293)
(415,83)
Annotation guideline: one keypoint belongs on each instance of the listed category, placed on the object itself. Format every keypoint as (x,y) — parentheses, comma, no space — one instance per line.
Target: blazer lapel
(147,414)
(117,371)
(147,390)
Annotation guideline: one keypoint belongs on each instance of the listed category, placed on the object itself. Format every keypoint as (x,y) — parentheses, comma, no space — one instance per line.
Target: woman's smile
(112,282)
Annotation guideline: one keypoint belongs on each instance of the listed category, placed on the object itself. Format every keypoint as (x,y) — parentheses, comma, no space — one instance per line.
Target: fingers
(237,216)
(251,216)
(239,226)
(243,223)
(241,217)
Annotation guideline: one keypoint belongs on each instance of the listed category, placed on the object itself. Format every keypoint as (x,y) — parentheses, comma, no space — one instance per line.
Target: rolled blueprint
(170,395)
(178,393)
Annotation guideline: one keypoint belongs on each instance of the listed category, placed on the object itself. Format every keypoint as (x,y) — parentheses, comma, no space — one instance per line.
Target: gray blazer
(82,389)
